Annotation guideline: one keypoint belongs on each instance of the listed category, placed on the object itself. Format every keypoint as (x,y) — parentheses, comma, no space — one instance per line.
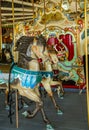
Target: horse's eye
(20,43)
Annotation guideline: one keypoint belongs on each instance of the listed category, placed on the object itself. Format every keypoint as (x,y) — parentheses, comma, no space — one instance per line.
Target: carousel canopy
(28,9)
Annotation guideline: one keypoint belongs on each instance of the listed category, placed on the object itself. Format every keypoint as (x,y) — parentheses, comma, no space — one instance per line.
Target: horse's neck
(29,65)
(22,62)
(48,66)
(54,58)
(33,65)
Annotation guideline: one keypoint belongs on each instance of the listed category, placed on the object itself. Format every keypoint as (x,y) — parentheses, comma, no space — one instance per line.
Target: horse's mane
(23,43)
(22,46)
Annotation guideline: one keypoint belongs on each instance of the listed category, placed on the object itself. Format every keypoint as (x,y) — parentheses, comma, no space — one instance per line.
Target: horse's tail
(9,93)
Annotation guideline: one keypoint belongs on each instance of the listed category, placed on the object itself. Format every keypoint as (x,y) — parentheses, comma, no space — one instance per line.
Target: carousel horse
(4,76)
(26,75)
(56,79)
(47,73)
(52,65)
(47,78)
(6,56)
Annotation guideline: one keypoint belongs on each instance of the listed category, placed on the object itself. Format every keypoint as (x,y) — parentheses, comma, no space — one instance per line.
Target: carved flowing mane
(22,45)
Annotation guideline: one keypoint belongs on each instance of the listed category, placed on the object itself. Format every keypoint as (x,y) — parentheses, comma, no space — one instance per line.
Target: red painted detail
(39,60)
(67,40)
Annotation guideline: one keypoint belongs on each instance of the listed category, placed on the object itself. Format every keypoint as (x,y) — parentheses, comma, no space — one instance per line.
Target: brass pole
(13,20)
(78,33)
(45,16)
(86,56)
(33,9)
(33,15)
(14,55)
(23,8)
(0,29)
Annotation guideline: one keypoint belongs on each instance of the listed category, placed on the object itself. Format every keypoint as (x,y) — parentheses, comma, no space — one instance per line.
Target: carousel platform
(74,117)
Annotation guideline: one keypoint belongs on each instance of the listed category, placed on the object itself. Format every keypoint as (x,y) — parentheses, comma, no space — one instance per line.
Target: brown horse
(26,75)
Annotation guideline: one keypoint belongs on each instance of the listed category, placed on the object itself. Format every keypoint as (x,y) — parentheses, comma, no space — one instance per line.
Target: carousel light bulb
(65,5)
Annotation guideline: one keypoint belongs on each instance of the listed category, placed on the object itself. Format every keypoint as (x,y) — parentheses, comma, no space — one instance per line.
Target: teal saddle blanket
(28,78)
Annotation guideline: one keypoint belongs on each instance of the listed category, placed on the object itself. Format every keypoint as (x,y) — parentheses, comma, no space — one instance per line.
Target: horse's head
(8,55)
(30,48)
(39,46)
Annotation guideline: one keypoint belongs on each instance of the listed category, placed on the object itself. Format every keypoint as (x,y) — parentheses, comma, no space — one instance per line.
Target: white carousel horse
(26,75)
(55,68)
(47,78)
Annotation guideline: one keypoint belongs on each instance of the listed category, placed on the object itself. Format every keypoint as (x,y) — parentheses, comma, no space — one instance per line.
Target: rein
(30,58)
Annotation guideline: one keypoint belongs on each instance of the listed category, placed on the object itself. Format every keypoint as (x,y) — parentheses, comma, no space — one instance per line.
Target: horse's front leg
(46,83)
(39,107)
(59,88)
(59,111)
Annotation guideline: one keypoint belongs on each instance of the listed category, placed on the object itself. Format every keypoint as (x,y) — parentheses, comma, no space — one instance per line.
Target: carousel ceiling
(28,10)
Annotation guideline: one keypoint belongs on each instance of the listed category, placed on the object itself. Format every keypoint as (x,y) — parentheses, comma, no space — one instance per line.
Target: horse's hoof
(59,112)
(25,105)
(25,114)
(61,97)
(49,127)
(7,107)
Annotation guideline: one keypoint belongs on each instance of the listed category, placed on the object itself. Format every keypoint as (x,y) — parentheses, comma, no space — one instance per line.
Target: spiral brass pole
(86,56)
(14,55)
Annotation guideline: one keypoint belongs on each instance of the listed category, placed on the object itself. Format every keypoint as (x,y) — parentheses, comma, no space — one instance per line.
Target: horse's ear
(34,41)
(15,49)
(34,48)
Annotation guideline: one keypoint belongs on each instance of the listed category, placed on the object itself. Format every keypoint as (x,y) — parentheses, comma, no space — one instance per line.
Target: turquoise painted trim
(47,74)
(25,71)
(83,34)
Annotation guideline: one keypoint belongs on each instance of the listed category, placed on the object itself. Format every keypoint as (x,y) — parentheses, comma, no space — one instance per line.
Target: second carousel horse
(47,78)
(4,75)
(6,56)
